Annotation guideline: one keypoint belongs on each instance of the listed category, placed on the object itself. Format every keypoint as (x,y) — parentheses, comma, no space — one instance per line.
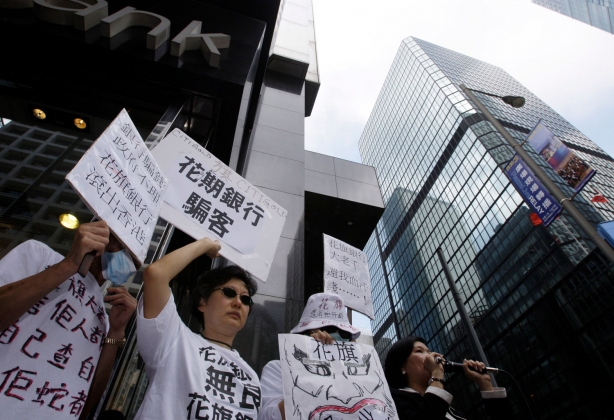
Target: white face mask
(117,267)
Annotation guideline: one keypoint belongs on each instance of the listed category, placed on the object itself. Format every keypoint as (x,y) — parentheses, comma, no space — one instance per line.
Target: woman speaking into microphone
(417,384)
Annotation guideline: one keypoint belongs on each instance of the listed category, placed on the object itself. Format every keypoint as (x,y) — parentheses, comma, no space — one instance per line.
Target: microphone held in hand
(458,367)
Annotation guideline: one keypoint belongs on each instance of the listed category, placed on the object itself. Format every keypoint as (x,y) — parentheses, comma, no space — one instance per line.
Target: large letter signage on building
(191,39)
(208,199)
(344,380)
(346,273)
(536,196)
(564,161)
(122,184)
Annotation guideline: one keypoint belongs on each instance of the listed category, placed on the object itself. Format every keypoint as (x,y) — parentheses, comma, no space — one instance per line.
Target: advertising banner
(536,196)
(122,184)
(344,380)
(346,273)
(564,161)
(208,199)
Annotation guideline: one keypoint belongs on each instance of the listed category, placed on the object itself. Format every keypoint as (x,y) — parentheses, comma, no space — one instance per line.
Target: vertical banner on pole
(564,161)
(346,273)
(536,196)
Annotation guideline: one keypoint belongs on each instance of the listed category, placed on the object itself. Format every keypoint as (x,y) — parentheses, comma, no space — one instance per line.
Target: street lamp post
(565,202)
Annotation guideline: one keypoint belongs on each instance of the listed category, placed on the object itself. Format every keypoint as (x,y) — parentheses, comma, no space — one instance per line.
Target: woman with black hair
(200,374)
(416,382)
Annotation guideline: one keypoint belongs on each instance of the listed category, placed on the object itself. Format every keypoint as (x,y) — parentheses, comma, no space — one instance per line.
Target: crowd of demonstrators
(57,344)
(416,381)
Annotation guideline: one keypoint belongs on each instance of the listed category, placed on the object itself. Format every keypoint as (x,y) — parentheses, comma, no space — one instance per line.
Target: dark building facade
(541,298)
(246,105)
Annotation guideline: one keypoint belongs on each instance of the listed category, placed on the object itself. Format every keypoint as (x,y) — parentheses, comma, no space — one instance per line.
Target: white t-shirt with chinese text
(49,356)
(190,377)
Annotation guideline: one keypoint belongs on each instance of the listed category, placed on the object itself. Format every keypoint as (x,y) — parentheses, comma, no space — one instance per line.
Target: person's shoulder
(27,258)
(32,245)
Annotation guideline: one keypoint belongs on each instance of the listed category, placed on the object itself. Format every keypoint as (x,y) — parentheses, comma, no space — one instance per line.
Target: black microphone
(458,367)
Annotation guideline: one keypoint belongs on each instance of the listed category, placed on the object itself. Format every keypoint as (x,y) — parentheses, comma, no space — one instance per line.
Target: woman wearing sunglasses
(198,374)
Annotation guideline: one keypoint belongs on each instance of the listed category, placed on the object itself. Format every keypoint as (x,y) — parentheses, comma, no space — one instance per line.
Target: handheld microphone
(458,367)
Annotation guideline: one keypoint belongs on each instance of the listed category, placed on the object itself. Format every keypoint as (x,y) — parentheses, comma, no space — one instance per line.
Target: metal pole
(575,214)
(471,334)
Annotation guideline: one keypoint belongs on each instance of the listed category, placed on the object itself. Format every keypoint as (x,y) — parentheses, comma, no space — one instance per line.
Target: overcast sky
(568,64)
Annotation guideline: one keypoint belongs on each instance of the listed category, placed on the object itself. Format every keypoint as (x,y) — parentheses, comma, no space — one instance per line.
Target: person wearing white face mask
(57,343)
(326,327)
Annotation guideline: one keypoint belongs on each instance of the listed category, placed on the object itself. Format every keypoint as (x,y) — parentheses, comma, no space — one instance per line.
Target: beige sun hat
(323,310)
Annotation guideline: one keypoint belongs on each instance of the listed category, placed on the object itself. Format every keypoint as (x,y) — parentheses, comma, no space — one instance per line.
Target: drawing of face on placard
(339,381)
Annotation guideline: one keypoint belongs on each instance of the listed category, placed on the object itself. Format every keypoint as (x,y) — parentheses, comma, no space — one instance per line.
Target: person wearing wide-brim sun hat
(324,319)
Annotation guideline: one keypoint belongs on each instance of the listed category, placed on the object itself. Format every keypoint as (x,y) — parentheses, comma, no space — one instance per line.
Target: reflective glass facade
(525,287)
(597,13)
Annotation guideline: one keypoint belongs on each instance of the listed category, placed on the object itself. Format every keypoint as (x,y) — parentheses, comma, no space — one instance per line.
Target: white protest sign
(346,273)
(208,199)
(344,380)
(121,183)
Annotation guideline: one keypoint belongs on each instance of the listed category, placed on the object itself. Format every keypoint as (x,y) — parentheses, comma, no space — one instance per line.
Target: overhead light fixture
(39,113)
(350,223)
(69,221)
(79,123)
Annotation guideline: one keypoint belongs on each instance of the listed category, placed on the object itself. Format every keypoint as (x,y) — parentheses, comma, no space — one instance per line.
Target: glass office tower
(541,298)
(597,13)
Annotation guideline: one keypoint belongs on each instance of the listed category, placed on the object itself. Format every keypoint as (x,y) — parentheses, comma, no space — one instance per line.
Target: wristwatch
(115,342)
(436,380)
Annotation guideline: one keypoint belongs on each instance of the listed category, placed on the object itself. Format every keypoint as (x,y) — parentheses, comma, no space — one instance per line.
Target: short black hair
(208,282)
(396,357)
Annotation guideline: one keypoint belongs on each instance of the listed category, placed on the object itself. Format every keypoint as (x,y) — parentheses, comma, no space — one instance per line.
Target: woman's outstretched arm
(158,275)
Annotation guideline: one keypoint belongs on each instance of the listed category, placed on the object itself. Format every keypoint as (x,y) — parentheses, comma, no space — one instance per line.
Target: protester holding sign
(57,344)
(416,381)
(200,374)
(324,319)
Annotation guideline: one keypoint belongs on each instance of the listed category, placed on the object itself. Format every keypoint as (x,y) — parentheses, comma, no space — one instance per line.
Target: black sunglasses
(231,293)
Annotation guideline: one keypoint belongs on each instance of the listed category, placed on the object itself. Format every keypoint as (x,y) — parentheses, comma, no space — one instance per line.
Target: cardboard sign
(121,183)
(208,199)
(346,273)
(344,380)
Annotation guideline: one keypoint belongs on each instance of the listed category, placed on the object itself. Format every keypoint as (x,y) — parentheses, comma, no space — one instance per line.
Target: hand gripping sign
(207,198)
(122,184)
(344,380)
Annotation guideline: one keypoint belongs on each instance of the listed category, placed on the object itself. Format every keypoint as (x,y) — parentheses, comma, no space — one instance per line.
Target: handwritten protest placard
(336,381)
(208,199)
(346,273)
(122,184)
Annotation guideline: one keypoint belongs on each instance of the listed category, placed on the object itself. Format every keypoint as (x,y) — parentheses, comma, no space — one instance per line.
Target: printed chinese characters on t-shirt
(49,356)
(229,393)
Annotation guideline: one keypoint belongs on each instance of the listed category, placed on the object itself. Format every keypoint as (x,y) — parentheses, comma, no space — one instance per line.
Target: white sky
(568,64)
